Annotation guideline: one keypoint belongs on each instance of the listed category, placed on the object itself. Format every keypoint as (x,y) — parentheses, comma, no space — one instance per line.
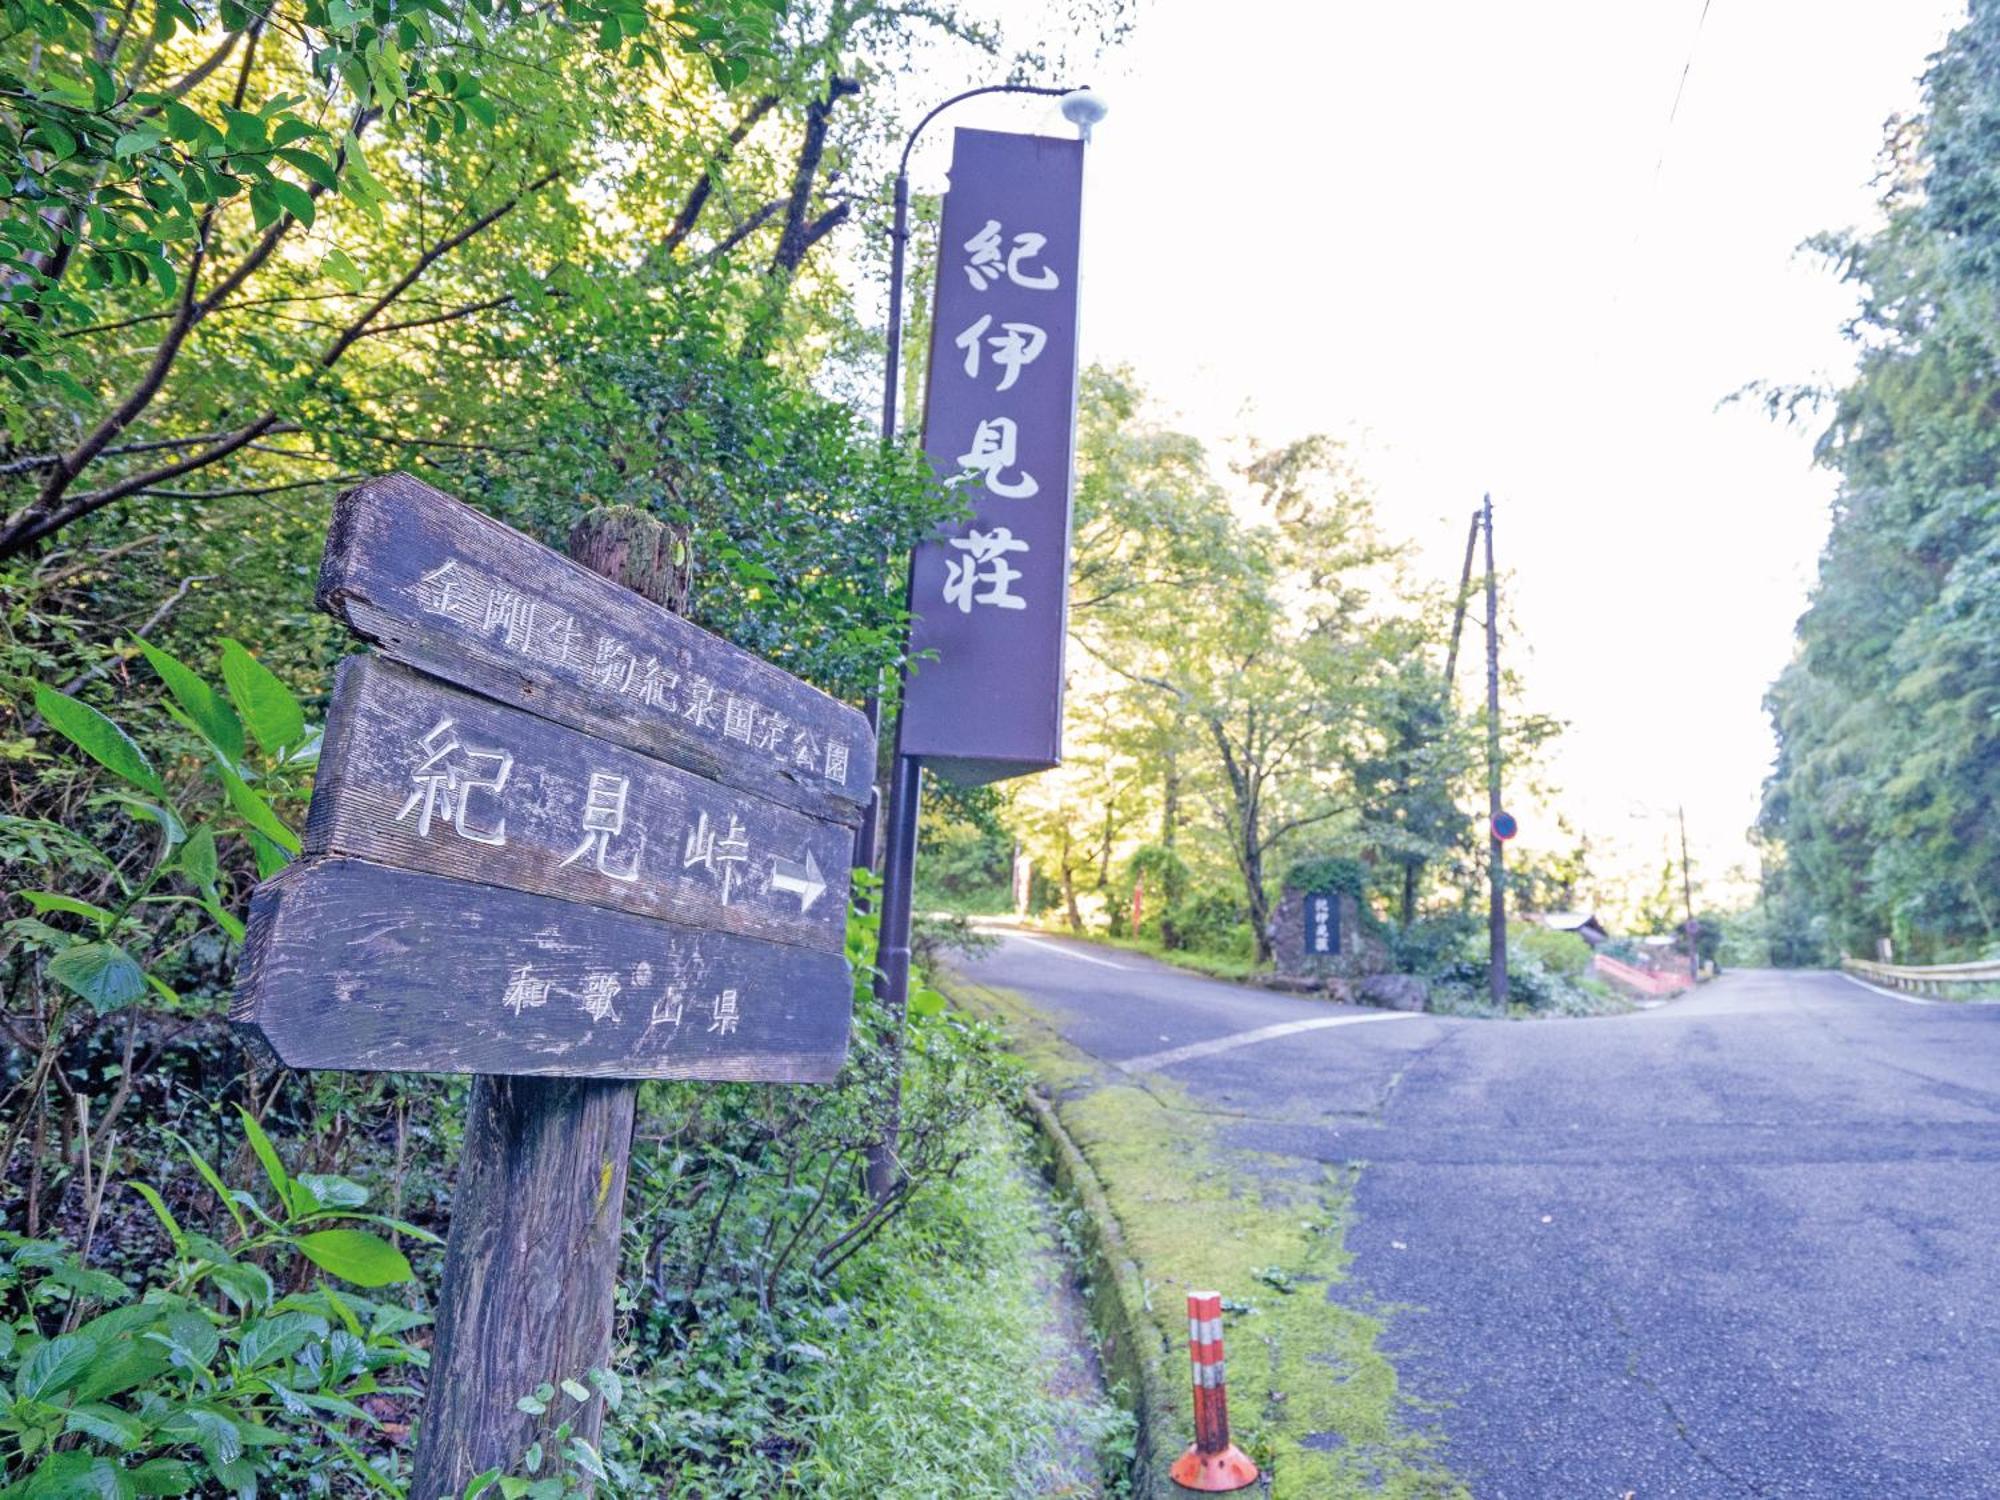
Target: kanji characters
(603,821)
(524,991)
(599,990)
(700,706)
(739,717)
(986,264)
(725,1013)
(722,857)
(1017,344)
(984,567)
(994,445)
(445,781)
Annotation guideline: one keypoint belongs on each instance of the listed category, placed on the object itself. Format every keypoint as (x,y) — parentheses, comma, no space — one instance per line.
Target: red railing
(1646,981)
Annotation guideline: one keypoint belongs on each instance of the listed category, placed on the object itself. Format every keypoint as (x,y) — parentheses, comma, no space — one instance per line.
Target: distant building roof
(1583,923)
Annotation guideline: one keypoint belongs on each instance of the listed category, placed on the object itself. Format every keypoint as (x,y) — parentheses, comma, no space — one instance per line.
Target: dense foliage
(545,257)
(1882,818)
(1256,679)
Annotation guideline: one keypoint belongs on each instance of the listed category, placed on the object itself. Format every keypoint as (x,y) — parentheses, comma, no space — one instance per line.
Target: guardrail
(1927,979)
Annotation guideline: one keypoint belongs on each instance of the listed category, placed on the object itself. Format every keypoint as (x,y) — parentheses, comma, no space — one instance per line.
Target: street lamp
(1083,108)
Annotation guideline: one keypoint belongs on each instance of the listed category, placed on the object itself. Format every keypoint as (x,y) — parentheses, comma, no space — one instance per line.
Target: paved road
(1746,1244)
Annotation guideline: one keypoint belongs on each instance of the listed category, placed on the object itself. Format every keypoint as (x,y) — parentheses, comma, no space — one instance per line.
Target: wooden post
(532,1261)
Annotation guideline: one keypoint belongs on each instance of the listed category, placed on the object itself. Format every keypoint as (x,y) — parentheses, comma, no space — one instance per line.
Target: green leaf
(48,901)
(183,124)
(357,1256)
(343,270)
(74,1476)
(161,1212)
(216,1184)
(271,1339)
(296,200)
(108,1424)
(163,1476)
(198,857)
(316,168)
(227,920)
(315,1192)
(102,973)
(132,142)
(213,718)
(264,208)
(266,704)
(60,142)
(55,1365)
(99,738)
(247,1285)
(271,858)
(257,813)
(242,130)
(267,1154)
(925,1001)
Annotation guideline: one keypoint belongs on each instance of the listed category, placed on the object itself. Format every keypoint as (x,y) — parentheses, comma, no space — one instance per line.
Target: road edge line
(1891,994)
(1116,1293)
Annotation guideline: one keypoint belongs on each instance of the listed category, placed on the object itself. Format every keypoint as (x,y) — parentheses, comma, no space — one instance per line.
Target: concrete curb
(1133,1347)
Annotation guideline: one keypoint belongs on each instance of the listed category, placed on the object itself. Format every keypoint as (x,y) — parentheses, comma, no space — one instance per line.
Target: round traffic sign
(1505,826)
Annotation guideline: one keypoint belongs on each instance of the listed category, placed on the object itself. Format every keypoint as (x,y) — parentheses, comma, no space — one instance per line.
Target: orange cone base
(1214,1473)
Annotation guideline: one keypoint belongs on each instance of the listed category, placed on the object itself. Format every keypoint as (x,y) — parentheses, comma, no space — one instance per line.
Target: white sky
(1437,230)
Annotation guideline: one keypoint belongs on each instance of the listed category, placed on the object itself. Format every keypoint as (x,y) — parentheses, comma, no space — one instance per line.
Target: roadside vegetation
(545,259)
(1314,1397)
(1880,820)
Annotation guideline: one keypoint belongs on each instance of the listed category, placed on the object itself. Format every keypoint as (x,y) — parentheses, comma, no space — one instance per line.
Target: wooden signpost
(559,837)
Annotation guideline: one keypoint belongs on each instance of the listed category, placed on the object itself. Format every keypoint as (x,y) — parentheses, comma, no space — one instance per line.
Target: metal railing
(1959,981)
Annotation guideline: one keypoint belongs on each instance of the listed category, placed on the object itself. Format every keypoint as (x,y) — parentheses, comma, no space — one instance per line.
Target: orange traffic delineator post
(1212,1463)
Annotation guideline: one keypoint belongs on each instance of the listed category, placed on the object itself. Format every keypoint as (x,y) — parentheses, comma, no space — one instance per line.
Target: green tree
(1886,794)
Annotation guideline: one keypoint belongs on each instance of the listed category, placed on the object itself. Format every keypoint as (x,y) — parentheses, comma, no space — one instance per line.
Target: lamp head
(1083,108)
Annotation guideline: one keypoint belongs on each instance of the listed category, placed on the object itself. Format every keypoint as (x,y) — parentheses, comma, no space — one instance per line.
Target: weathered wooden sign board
(605,844)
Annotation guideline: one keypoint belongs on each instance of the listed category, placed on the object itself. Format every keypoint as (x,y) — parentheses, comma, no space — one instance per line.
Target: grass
(946,1382)
(1313,1396)
(1214,965)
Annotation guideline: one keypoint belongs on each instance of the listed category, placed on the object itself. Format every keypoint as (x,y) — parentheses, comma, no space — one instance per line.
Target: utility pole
(1496,915)
(1464,598)
(1687,894)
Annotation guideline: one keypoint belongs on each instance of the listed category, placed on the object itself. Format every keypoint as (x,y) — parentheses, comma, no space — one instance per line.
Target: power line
(1680,91)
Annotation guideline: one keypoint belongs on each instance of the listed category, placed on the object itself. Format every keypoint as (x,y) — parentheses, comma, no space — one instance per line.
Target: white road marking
(1892,994)
(1082,958)
(1154,1061)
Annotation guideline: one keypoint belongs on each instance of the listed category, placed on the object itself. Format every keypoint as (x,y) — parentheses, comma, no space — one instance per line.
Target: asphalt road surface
(1744,1244)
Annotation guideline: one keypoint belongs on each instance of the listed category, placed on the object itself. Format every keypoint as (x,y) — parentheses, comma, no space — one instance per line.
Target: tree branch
(36,521)
(704,185)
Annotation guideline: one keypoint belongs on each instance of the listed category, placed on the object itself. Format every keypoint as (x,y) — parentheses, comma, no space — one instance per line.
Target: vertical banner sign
(991,595)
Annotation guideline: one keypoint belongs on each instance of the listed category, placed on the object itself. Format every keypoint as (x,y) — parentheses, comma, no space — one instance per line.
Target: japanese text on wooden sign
(623,853)
(991,596)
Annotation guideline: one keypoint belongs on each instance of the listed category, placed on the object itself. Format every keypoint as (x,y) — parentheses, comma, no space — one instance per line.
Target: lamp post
(1083,109)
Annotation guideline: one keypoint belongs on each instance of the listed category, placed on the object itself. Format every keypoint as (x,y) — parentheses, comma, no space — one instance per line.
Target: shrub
(1561,953)
(207,1379)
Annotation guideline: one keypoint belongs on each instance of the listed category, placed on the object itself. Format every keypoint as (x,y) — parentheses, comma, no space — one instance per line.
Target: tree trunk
(1410,872)
(1170,802)
(1253,881)
(1069,885)
(531,1264)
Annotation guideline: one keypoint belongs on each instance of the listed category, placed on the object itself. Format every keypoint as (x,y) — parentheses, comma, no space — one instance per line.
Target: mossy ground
(1312,1395)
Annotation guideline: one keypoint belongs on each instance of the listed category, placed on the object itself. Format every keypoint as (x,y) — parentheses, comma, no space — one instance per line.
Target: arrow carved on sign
(803,880)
